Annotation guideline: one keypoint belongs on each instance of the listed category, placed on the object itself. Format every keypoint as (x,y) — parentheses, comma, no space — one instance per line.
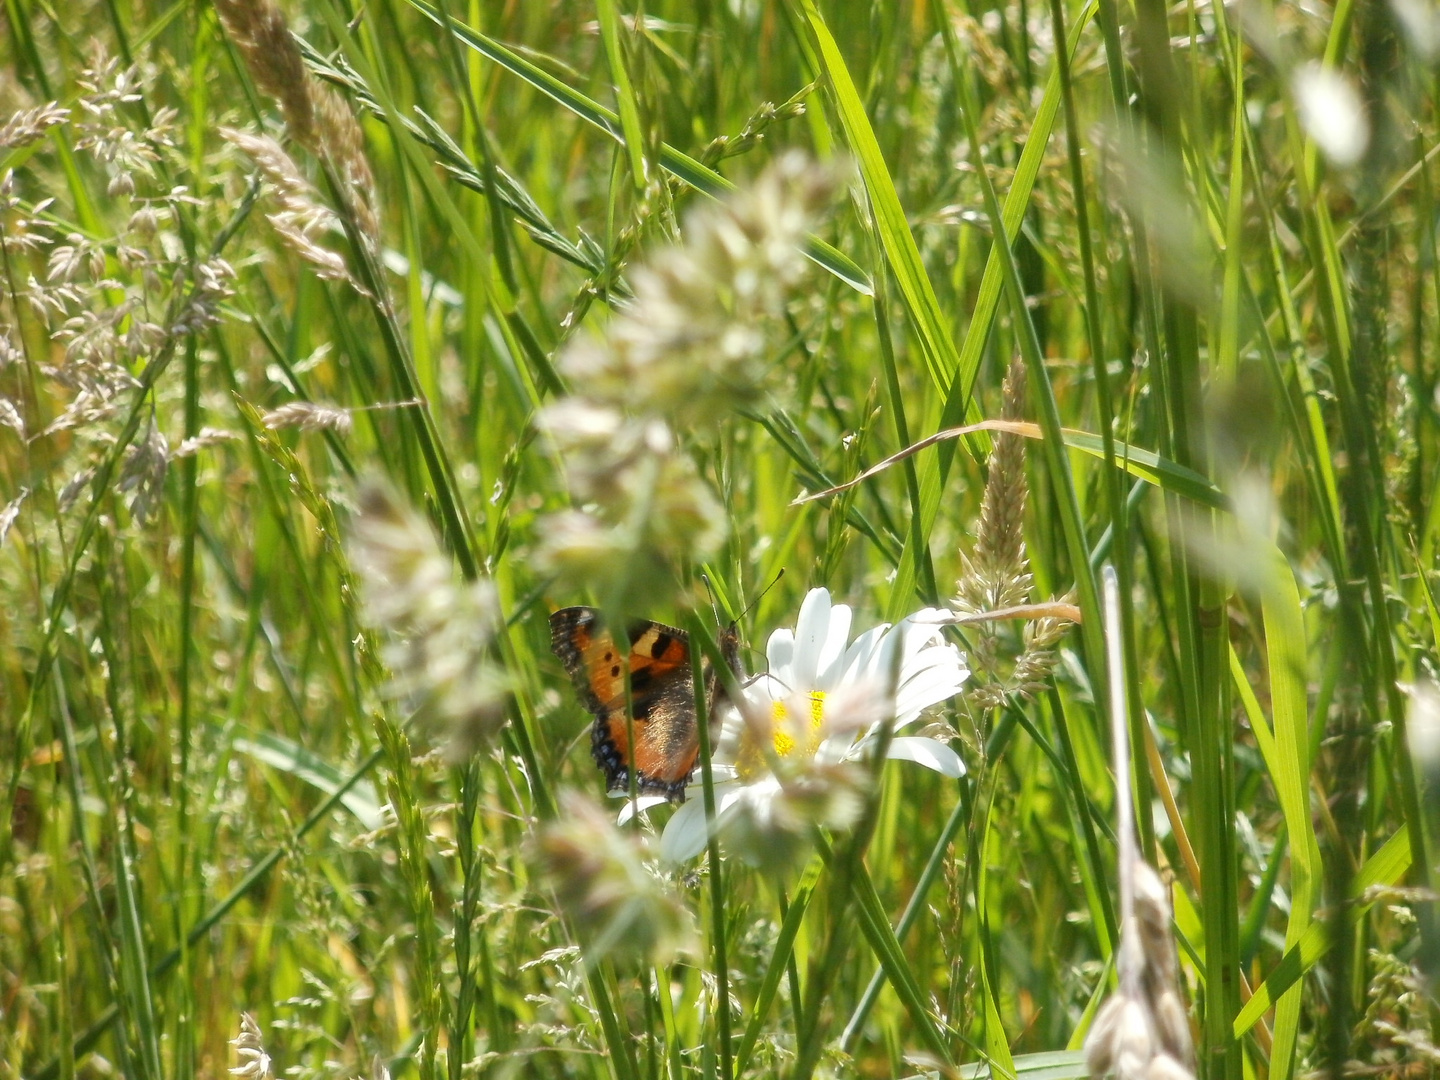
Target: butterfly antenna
(761,596)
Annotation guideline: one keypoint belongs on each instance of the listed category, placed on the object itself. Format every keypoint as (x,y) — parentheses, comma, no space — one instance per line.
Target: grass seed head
(29,125)
(440,629)
(250,1049)
(144,472)
(604,883)
(692,343)
(1142,1032)
(299,218)
(310,416)
(681,355)
(997,572)
(314,116)
(11,511)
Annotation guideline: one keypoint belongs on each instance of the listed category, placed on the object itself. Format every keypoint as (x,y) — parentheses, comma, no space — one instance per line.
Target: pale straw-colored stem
(1120,738)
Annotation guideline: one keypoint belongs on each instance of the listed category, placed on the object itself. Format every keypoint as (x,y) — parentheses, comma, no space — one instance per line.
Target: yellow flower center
(750,761)
(782,727)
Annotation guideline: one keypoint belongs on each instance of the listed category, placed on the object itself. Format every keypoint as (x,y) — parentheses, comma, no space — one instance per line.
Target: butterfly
(662,697)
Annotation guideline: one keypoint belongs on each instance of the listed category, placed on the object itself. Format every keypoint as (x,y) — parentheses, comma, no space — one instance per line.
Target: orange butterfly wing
(662,697)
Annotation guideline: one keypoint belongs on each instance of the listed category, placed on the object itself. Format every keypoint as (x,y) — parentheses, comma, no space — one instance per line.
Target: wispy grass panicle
(607,885)
(440,629)
(128,153)
(689,348)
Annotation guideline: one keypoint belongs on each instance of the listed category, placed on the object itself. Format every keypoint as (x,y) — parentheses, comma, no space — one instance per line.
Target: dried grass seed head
(300,219)
(605,883)
(250,1049)
(144,472)
(690,345)
(29,125)
(309,416)
(314,115)
(1142,1032)
(10,512)
(439,629)
(262,34)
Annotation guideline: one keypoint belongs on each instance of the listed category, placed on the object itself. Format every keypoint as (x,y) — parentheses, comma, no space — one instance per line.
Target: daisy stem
(700,635)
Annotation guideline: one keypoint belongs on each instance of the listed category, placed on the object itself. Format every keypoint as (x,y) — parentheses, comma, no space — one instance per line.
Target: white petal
(780,652)
(862,659)
(928,752)
(832,652)
(765,690)
(684,835)
(838,748)
(638,806)
(927,689)
(933,657)
(812,629)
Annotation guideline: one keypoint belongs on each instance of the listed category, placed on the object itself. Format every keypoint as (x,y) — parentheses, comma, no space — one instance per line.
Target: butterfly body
(662,697)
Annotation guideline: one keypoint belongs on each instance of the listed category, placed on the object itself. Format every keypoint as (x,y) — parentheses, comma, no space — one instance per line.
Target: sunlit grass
(310,418)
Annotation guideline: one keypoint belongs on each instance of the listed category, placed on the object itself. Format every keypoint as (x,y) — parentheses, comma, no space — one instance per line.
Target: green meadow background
(1209,232)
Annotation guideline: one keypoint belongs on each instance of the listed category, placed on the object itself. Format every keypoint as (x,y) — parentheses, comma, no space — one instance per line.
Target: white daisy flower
(792,754)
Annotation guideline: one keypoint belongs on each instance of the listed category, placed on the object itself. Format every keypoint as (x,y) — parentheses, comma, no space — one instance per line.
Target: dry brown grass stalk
(1142,1031)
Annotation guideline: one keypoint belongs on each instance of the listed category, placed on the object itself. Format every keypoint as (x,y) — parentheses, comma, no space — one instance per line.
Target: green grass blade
(686,168)
(779,961)
(1386,867)
(893,229)
(624,91)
